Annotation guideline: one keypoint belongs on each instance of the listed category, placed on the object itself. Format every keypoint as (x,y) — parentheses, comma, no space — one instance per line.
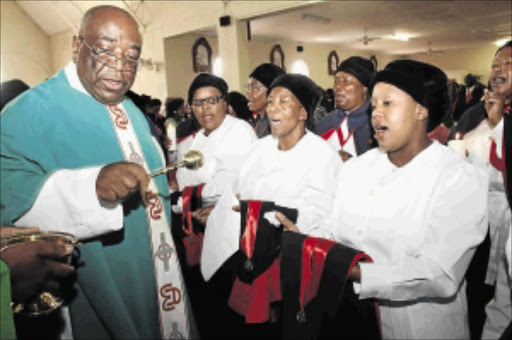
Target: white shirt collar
(74,81)
(72,75)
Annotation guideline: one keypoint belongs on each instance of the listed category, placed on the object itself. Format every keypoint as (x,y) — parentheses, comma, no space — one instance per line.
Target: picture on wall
(373,58)
(202,56)
(277,56)
(332,63)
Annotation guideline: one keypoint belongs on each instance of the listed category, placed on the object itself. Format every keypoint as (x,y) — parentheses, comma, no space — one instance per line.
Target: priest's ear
(75,47)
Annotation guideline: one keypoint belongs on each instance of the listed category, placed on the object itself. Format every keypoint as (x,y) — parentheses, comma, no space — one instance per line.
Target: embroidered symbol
(191,238)
(155,205)
(134,156)
(171,295)
(120,118)
(164,252)
(175,334)
(248,265)
(301,316)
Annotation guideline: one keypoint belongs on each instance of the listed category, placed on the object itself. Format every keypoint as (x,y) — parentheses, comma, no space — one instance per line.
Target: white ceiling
(444,24)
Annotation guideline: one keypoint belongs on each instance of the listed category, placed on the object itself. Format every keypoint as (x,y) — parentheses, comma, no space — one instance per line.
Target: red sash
(327,134)
(253,300)
(192,241)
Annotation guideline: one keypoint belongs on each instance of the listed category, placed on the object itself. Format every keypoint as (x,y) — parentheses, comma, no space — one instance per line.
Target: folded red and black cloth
(257,284)
(316,299)
(191,232)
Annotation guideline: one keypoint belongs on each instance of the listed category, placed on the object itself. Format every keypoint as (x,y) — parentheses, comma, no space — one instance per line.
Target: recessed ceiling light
(502,41)
(401,36)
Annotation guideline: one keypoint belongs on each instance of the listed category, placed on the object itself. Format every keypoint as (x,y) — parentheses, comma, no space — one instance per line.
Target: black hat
(266,73)
(11,89)
(204,80)
(239,104)
(303,88)
(361,68)
(425,83)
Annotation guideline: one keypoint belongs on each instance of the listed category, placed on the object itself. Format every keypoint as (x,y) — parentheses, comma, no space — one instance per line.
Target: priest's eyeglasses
(210,101)
(108,58)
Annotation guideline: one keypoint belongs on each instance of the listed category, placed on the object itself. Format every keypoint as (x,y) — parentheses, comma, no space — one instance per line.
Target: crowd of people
(354,212)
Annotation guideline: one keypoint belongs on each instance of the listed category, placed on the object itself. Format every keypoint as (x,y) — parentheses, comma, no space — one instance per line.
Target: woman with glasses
(223,140)
(256,94)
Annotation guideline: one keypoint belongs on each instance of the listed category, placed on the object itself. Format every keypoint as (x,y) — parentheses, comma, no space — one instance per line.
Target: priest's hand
(33,264)
(345,156)
(287,224)
(494,104)
(15,231)
(201,214)
(117,181)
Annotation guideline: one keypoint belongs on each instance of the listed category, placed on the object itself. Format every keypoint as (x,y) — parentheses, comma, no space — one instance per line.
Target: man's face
(118,34)
(349,93)
(256,94)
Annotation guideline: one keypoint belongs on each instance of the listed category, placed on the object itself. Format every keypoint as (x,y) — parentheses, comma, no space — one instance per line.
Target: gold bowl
(46,302)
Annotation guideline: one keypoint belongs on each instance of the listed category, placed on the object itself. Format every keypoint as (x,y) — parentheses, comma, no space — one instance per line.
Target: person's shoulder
(328,122)
(239,127)
(449,162)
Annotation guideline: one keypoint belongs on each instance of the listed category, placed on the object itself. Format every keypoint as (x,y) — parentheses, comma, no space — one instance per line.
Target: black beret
(239,104)
(266,73)
(425,83)
(303,88)
(361,68)
(204,80)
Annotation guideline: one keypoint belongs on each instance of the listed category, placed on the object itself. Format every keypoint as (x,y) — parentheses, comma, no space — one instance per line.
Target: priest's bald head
(106,52)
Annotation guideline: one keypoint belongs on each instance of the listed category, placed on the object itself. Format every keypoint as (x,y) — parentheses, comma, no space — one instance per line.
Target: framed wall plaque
(202,56)
(277,56)
(332,63)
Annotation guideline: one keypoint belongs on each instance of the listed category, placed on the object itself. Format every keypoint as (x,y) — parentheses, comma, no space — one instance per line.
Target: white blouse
(421,224)
(301,178)
(224,151)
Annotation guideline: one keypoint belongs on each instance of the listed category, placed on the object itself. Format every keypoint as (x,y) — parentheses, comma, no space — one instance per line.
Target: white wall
(458,63)
(27,53)
(25,48)
(61,49)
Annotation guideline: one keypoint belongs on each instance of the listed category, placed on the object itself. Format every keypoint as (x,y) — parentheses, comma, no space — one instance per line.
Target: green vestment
(54,126)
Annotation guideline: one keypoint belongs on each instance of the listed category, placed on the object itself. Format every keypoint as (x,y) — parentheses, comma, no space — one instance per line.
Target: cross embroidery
(164,252)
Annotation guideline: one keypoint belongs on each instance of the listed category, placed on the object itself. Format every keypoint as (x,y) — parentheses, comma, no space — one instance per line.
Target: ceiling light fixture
(401,36)
(315,18)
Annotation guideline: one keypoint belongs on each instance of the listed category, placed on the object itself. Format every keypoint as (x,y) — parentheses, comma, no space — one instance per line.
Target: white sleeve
(497,136)
(317,198)
(457,223)
(508,253)
(68,203)
(228,164)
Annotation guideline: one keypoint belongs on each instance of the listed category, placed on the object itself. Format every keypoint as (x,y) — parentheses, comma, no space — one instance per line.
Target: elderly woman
(292,167)
(415,206)
(290,170)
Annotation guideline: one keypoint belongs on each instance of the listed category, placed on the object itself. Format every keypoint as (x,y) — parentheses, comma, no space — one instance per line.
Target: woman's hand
(287,224)
(201,215)
(494,104)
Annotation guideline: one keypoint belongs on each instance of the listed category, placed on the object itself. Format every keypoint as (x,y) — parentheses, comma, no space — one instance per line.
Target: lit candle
(458,145)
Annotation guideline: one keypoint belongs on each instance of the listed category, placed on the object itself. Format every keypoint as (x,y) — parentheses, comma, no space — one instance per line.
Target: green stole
(53,127)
